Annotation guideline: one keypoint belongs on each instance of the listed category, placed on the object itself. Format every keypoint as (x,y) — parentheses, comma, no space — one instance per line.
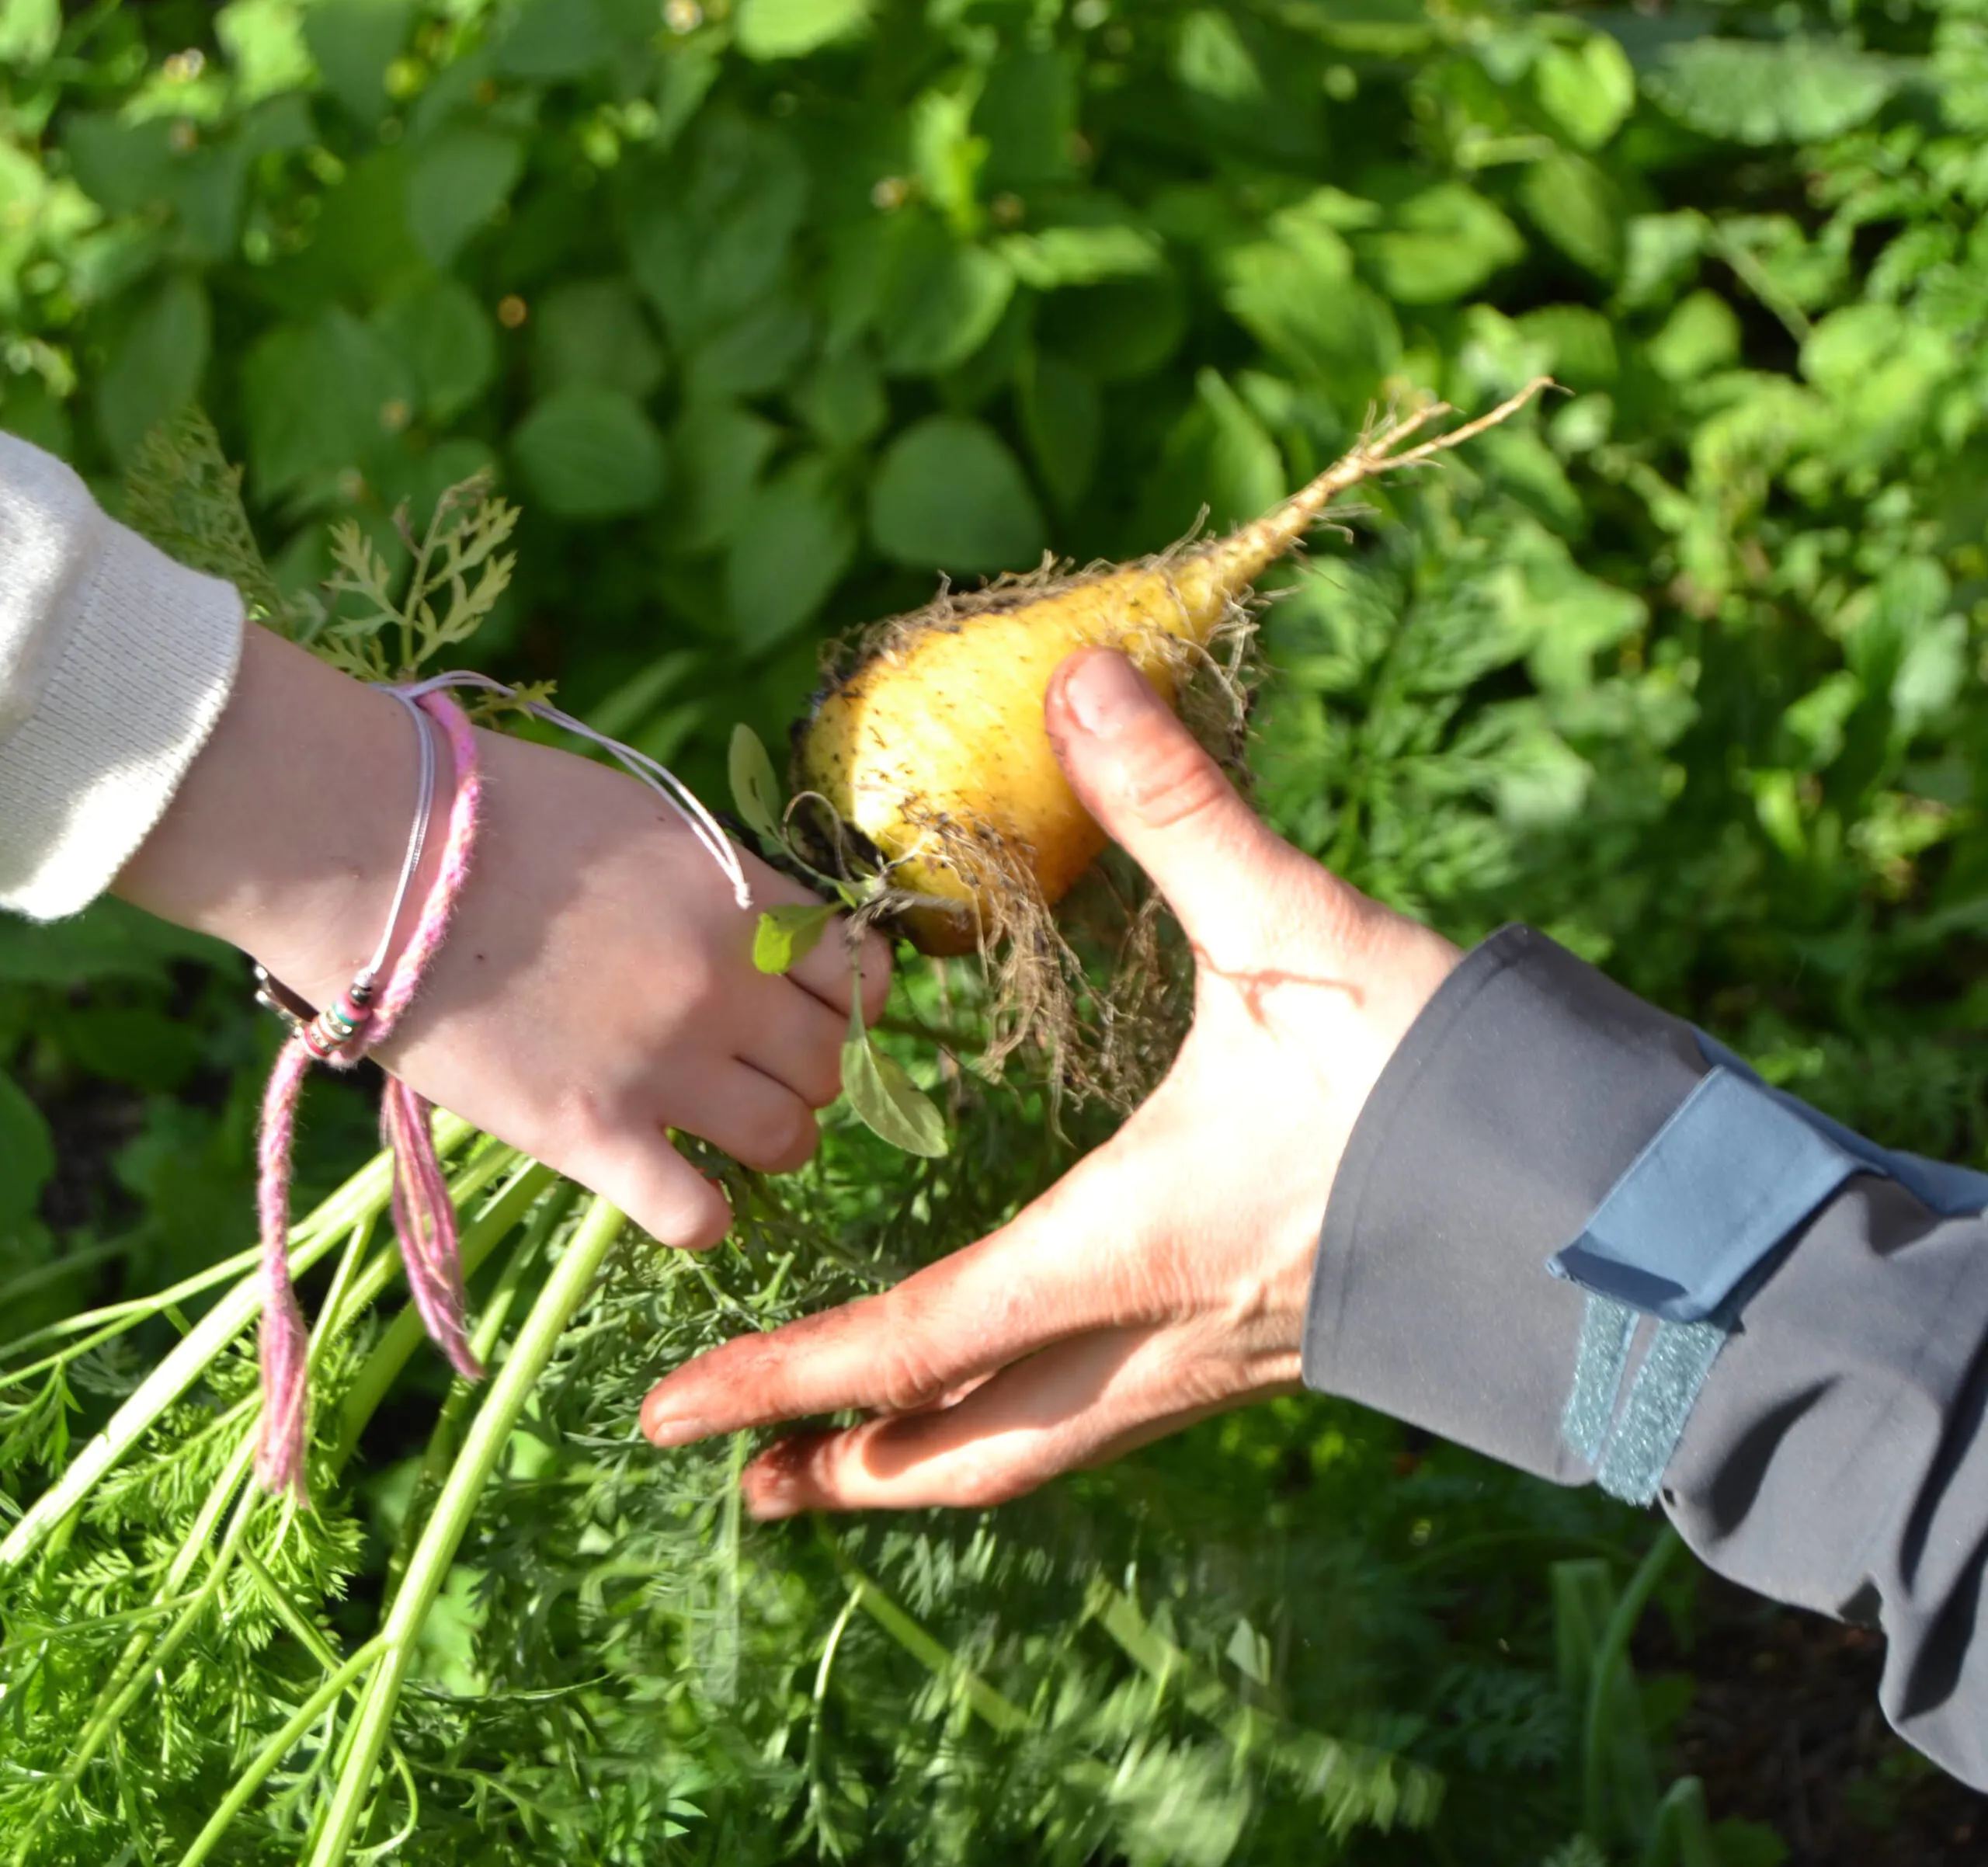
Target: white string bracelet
(325,1033)
(666,785)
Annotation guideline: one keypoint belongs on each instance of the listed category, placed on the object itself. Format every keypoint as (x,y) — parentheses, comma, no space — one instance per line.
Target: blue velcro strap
(1607,1329)
(1948,1190)
(1666,1389)
(1720,1183)
(1737,1167)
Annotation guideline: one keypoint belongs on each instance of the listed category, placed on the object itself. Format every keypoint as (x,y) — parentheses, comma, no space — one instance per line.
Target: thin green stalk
(450,1132)
(994,1707)
(56,1269)
(287,1612)
(483,1344)
(405,1334)
(109,1623)
(131,1677)
(273,1752)
(363,1196)
(1608,1655)
(384,1265)
(571,1280)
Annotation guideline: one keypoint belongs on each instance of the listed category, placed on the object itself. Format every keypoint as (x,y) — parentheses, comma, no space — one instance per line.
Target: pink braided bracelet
(424,1215)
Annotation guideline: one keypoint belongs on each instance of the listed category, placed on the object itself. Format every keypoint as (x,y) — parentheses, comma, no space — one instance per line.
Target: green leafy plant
(1686,670)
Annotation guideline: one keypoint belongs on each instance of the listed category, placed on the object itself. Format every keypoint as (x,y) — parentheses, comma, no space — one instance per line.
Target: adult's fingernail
(1104,693)
(675,1429)
(770,1496)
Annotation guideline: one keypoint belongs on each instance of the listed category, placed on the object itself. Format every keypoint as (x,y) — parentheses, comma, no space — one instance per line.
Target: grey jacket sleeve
(1834,1458)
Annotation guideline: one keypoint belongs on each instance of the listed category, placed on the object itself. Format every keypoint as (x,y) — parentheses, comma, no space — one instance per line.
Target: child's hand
(596,987)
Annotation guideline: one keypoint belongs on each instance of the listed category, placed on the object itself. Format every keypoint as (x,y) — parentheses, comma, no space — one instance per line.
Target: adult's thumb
(1146,780)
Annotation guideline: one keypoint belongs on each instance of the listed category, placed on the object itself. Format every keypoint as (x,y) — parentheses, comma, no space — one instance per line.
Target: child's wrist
(287,837)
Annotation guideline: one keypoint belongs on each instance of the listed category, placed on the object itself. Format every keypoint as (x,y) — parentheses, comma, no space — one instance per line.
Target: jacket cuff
(1523,1093)
(136,658)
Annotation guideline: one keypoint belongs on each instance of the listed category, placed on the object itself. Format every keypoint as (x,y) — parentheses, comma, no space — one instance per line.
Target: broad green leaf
(883,1095)
(843,399)
(791,29)
(264,40)
(461,177)
(321,398)
(109,939)
(155,363)
(594,330)
(445,337)
(1760,92)
(1574,204)
(1296,293)
(1236,91)
(1218,459)
(353,42)
(1118,331)
(362,252)
(27,1153)
(940,300)
(714,244)
(1588,89)
(689,72)
(555,39)
(1063,417)
(949,496)
(1660,253)
(1578,344)
(755,354)
(794,541)
(1528,469)
(786,935)
(1081,256)
(1442,244)
(720,449)
(1027,114)
(137,1045)
(587,452)
(756,791)
(946,155)
(122,165)
(1701,335)
(1541,782)
(29,31)
(1211,59)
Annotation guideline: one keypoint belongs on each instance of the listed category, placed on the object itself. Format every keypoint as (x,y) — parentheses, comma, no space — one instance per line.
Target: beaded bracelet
(325,1033)
(424,1216)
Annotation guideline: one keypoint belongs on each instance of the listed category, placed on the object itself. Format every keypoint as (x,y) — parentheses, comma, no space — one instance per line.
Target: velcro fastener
(1723,1182)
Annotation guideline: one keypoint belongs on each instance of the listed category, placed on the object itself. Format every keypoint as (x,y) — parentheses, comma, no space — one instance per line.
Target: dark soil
(1784,1728)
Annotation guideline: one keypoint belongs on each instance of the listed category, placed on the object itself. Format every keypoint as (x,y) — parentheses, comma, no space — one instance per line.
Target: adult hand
(1165,1278)
(596,988)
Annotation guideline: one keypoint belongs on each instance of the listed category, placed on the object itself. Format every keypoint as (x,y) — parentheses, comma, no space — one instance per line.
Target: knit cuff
(142,670)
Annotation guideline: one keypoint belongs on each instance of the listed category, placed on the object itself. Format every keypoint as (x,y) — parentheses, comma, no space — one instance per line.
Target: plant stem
(363,1196)
(274,1750)
(450,1132)
(402,1336)
(483,1344)
(565,1290)
(1609,1656)
(994,1706)
(130,1678)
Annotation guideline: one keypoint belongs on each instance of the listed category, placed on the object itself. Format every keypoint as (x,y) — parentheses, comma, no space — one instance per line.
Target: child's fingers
(798,1043)
(826,972)
(755,1120)
(658,1188)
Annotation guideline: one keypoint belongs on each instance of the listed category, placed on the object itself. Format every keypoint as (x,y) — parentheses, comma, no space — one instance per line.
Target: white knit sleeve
(115,663)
